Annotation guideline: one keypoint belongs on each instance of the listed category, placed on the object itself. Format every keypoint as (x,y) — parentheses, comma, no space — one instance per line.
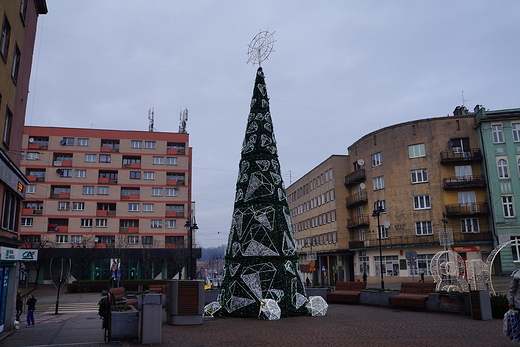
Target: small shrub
(499,305)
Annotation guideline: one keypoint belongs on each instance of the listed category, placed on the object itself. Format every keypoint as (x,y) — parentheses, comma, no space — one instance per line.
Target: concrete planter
(124,325)
(376,297)
(449,302)
(317,292)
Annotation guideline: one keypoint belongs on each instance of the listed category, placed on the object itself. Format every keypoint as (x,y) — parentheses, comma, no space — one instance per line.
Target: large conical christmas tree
(261,258)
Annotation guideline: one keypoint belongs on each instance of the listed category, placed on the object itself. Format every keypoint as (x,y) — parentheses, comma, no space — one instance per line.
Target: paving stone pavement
(344,325)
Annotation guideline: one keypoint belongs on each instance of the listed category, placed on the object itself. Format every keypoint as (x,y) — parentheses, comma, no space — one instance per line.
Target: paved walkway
(344,325)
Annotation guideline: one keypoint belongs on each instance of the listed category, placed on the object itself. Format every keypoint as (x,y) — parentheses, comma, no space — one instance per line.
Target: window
(68,141)
(379,183)
(383,232)
(503,171)
(516,132)
(423,263)
(133,240)
(498,135)
(30,188)
(88,190)
(507,205)
(421,202)
(149,175)
(82,142)
(86,222)
(416,151)
(62,238)
(133,207)
(377,159)
(463,171)
(65,172)
(171,160)
(361,234)
(102,190)
(104,158)
(4,38)
(101,223)
(7,126)
(78,206)
(63,205)
(171,192)
(423,228)
(80,173)
(32,156)
(147,240)
(136,144)
(16,64)
(90,158)
(419,176)
(27,222)
(469,225)
(76,238)
(135,175)
(158,160)
(157,191)
(148,207)
(156,223)
(170,223)
(149,144)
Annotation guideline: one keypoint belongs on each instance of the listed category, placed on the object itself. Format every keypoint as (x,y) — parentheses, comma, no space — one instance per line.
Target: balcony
(130,197)
(357,198)
(57,228)
(108,149)
(358,221)
(132,166)
(475,208)
(128,230)
(484,236)
(174,214)
(60,196)
(106,180)
(31,211)
(464,182)
(449,156)
(355,176)
(66,163)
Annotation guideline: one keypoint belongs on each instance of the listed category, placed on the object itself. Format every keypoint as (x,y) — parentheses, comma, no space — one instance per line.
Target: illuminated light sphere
(269,310)
(317,306)
(212,308)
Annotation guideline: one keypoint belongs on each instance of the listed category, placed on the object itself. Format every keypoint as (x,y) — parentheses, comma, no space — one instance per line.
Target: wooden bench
(157,288)
(413,294)
(347,292)
(120,293)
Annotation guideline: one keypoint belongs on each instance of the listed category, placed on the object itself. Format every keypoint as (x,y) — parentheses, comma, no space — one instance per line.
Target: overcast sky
(340,70)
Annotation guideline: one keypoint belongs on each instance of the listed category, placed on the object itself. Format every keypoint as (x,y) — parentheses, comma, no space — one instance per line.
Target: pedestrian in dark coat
(19,306)
(31,306)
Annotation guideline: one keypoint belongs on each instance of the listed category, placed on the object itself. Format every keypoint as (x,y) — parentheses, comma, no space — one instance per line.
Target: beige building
(425,178)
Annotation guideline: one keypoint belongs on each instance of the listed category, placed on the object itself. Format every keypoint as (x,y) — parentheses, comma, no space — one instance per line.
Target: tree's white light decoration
(317,306)
(260,47)
(269,310)
(212,308)
(449,272)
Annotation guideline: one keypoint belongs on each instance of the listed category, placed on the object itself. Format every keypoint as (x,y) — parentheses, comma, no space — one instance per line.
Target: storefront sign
(466,249)
(8,254)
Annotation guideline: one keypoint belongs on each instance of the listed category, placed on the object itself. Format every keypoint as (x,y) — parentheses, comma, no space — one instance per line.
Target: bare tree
(120,251)
(177,260)
(149,256)
(85,254)
(45,250)
(60,272)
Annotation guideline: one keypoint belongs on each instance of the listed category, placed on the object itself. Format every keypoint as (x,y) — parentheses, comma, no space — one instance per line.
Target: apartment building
(122,194)
(415,186)
(18,20)
(499,137)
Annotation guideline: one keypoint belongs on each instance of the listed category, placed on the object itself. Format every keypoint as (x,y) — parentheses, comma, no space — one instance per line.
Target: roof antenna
(183,120)
(150,119)
(464,100)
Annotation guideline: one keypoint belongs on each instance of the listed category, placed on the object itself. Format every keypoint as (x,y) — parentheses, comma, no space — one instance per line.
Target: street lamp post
(190,225)
(378,209)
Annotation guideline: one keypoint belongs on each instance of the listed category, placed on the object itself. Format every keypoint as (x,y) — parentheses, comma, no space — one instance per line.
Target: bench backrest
(418,287)
(351,285)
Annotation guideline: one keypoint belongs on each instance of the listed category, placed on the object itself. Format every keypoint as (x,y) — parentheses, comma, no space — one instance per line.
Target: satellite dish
(386,224)
(63,142)
(450,143)
(96,240)
(361,162)
(59,171)
(362,185)
(31,139)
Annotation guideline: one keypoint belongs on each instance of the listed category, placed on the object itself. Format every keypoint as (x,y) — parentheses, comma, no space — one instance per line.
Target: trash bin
(185,302)
(151,318)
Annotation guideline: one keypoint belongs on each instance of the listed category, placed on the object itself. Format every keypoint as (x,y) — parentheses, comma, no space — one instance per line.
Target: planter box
(317,292)
(124,325)
(210,296)
(449,302)
(376,297)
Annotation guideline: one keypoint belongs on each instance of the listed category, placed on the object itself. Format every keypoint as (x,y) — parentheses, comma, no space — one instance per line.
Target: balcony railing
(128,230)
(475,208)
(358,221)
(470,155)
(464,182)
(357,198)
(355,176)
(458,237)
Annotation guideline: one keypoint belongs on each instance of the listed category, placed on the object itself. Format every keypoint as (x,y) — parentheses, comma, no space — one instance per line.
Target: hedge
(99,286)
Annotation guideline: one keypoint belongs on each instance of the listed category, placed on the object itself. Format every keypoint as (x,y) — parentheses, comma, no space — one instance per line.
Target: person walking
(31,306)
(19,306)
(422,276)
